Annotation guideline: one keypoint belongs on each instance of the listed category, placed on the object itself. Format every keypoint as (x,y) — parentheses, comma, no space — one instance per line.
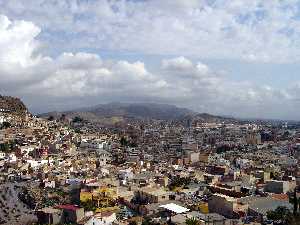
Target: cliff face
(12,105)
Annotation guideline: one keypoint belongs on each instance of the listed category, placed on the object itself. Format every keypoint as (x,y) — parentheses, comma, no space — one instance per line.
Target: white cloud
(256,30)
(16,42)
(72,79)
(176,64)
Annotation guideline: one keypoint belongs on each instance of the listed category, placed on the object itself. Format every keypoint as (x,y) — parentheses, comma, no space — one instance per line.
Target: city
(212,170)
(149,112)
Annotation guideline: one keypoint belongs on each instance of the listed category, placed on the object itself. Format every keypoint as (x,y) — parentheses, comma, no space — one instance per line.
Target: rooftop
(175,208)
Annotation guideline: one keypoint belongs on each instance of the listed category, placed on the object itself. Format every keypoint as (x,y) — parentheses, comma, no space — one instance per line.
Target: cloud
(258,30)
(16,42)
(176,64)
(71,80)
(19,58)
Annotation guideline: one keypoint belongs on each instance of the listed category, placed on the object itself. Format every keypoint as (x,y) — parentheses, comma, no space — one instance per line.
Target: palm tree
(192,221)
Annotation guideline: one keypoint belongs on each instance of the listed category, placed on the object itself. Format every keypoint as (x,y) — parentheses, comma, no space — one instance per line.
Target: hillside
(12,105)
(205,118)
(140,110)
(117,112)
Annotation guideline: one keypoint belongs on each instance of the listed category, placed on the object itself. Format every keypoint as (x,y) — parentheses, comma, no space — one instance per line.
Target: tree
(192,221)
(5,147)
(280,214)
(77,119)
(6,125)
(179,182)
(124,141)
(147,221)
(63,117)
(223,148)
(295,201)
(77,130)
(51,118)
(88,205)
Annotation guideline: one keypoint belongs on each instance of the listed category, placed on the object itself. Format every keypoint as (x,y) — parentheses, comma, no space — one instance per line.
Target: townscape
(215,171)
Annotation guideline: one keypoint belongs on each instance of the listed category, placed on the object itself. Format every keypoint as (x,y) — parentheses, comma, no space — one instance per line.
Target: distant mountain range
(117,112)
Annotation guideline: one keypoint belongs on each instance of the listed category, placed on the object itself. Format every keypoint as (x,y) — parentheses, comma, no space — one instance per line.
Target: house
(143,179)
(2,155)
(223,205)
(49,215)
(277,186)
(103,156)
(104,218)
(70,213)
(152,195)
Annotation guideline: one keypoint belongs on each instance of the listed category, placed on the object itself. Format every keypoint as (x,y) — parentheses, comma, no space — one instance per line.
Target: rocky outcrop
(12,105)
(14,211)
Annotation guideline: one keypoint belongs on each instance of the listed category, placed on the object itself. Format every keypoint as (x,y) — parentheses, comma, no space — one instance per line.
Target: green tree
(192,221)
(124,141)
(77,119)
(147,221)
(5,147)
(179,182)
(6,125)
(280,214)
(88,205)
(51,118)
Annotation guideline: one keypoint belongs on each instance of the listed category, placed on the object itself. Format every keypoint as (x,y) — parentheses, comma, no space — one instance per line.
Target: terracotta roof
(104,214)
(68,207)
(280,196)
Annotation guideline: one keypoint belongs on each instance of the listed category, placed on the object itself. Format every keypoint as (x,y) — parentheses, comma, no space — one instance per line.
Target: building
(104,218)
(277,186)
(152,195)
(70,213)
(49,216)
(259,207)
(223,205)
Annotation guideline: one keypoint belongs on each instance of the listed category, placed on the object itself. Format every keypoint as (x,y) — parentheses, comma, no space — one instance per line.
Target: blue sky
(237,57)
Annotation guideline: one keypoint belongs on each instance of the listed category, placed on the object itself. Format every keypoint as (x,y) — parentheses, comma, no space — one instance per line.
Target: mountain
(140,110)
(205,118)
(117,112)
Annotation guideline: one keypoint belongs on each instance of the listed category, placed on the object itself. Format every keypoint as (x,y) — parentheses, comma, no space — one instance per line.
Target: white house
(2,155)
(104,157)
(25,150)
(94,144)
(2,119)
(105,218)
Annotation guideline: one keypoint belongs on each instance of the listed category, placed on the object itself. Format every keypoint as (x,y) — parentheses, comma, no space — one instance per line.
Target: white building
(2,119)
(103,156)
(105,218)
(94,144)
(2,155)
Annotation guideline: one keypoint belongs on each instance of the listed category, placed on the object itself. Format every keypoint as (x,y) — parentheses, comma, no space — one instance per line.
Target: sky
(227,57)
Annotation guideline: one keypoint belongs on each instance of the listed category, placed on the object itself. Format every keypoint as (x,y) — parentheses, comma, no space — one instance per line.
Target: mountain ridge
(138,111)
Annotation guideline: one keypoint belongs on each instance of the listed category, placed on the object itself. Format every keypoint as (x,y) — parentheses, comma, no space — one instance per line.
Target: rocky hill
(13,210)
(12,105)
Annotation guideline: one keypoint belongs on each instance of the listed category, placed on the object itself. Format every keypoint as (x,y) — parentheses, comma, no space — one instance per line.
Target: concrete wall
(220,205)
